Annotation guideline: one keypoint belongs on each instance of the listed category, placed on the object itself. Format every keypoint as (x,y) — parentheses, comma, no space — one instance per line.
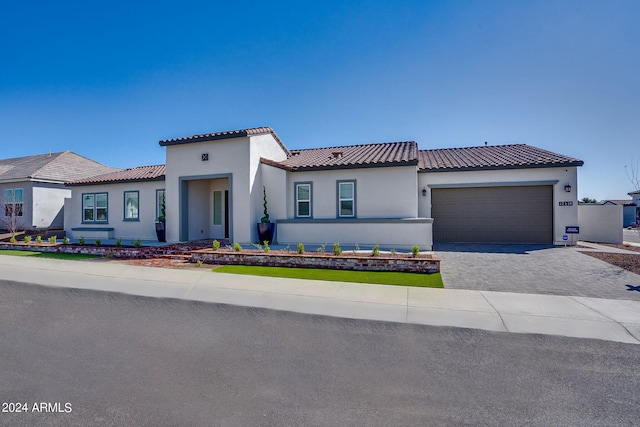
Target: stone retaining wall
(126,253)
(422,264)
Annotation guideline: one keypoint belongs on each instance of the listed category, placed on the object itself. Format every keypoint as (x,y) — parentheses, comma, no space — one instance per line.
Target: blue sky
(108,80)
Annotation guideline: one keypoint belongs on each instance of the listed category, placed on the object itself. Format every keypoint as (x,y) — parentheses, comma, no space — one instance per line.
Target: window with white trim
(303,200)
(13,202)
(346,199)
(94,207)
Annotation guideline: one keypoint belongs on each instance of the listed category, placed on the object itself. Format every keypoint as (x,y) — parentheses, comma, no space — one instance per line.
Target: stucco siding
(143,229)
(557,177)
(385,192)
(600,223)
(48,205)
(26,220)
(390,234)
(226,157)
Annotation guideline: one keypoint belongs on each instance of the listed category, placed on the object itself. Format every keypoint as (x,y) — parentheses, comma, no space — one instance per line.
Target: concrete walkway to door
(533,269)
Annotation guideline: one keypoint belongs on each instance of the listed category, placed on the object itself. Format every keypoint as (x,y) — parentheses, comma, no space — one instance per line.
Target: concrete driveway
(537,269)
(631,236)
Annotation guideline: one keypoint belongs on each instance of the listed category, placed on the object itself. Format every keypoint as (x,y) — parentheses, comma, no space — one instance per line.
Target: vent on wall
(205,157)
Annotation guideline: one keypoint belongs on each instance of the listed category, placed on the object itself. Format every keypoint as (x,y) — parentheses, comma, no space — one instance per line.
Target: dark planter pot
(266,231)
(161,232)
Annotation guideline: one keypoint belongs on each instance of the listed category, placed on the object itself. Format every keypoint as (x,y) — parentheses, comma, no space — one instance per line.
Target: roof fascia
(509,167)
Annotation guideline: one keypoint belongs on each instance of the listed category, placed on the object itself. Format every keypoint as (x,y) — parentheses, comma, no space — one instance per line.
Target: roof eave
(353,166)
(118,181)
(506,167)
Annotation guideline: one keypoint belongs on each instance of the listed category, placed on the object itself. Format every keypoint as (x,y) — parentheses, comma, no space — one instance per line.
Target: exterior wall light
(567,188)
(424,192)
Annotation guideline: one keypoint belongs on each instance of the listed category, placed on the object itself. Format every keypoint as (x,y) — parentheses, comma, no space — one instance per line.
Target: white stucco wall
(275,182)
(562,215)
(48,205)
(143,229)
(26,220)
(384,192)
(398,234)
(267,147)
(230,156)
(600,223)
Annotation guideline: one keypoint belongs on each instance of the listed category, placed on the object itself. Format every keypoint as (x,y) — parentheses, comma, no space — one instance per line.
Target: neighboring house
(389,193)
(630,210)
(122,204)
(32,190)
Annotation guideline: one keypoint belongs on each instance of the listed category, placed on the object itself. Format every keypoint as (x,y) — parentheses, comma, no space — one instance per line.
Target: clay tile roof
(56,167)
(240,133)
(351,156)
(141,173)
(491,157)
(621,202)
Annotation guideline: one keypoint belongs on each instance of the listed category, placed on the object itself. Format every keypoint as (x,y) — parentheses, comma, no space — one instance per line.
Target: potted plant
(161,233)
(266,228)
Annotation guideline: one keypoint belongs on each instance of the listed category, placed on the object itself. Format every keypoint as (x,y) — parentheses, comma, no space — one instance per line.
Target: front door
(219,214)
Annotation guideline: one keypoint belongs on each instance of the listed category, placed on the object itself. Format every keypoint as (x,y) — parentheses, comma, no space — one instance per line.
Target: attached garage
(505,214)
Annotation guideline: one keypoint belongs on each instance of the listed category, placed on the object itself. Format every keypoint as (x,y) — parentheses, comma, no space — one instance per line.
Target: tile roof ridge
(354,145)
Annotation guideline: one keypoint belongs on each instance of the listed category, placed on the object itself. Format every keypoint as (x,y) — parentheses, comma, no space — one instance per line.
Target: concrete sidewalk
(606,319)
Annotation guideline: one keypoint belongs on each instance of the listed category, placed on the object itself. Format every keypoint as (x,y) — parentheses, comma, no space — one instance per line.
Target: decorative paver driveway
(539,269)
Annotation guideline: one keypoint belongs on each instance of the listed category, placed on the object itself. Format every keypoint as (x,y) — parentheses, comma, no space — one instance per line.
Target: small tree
(588,200)
(11,215)
(633,173)
(265,218)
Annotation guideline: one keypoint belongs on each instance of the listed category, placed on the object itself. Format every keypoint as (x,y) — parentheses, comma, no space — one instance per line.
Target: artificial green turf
(376,277)
(53,255)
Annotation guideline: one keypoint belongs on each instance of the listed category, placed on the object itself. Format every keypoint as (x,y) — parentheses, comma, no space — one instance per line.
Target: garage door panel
(522,214)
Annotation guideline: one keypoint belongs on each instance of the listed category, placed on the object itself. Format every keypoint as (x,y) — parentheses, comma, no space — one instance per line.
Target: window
(303,200)
(160,205)
(217,208)
(346,199)
(131,206)
(94,207)
(13,202)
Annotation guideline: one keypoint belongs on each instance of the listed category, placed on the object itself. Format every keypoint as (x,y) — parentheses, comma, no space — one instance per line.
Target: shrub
(81,241)
(27,239)
(65,240)
(199,263)
(415,250)
(118,242)
(215,245)
(376,250)
(53,239)
(337,250)
(12,239)
(137,243)
(266,246)
(300,248)
(320,249)
(98,242)
(393,251)
(39,239)
(287,248)
(237,247)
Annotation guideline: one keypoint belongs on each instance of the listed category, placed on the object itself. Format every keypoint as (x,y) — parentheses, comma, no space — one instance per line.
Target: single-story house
(32,190)
(121,204)
(630,210)
(392,193)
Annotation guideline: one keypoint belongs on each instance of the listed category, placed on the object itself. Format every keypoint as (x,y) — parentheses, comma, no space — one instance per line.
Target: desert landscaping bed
(629,262)
(185,255)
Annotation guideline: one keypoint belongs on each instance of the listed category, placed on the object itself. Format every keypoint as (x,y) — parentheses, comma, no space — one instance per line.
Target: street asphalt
(103,358)
(565,315)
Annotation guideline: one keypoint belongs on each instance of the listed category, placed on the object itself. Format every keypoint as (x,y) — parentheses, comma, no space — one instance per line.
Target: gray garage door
(493,214)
